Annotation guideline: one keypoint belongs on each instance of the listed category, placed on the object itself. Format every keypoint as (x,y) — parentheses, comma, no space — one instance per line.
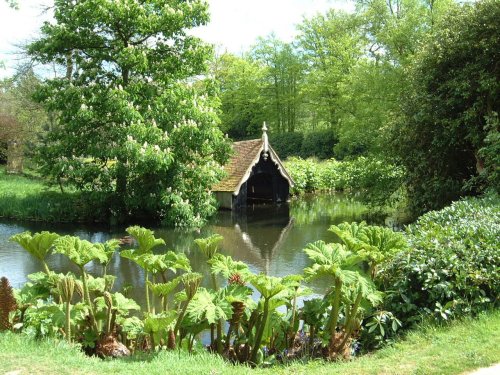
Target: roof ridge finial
(265,140)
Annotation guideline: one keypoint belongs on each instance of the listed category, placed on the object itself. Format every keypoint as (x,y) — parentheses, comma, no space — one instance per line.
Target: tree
(131,125)
(446,137)
(242,104)
(22,120)
(284,72)
(392,32)
(395,29)
(332,44)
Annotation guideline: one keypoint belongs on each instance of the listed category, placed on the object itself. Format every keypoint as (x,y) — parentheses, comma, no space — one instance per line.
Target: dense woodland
(137,107)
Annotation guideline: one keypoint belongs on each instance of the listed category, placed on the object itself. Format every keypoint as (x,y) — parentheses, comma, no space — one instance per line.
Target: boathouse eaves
(246,155)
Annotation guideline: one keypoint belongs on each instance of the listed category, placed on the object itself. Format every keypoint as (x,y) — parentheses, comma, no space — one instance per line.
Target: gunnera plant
(7,304)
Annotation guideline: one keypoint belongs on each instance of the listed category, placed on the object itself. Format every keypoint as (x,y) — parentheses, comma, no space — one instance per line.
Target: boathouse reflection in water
(255,233)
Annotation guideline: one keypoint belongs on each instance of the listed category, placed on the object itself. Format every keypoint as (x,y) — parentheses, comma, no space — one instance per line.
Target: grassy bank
(26,197)
(452,349)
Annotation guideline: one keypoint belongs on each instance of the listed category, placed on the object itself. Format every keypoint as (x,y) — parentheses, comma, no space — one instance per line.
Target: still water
(268,238)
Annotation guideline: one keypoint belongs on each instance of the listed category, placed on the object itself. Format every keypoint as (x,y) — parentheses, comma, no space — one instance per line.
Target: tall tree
(131,124)
(283,75)
(241,82)
(393,31)
(332,44)
(448,135)
(22,120)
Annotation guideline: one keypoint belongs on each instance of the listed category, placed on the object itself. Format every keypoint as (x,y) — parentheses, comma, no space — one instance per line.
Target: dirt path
(493,370)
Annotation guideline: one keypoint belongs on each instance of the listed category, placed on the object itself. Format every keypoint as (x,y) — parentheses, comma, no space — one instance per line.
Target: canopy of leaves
(449,115)
(109,247)
(373,243)
(153,324)
(130,124)
(226,266)
(164,289)
(269,286)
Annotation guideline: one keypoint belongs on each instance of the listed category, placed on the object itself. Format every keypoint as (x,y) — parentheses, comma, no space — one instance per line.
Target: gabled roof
(245,155)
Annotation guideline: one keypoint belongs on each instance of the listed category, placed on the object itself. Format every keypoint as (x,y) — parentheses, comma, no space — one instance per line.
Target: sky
(234,26)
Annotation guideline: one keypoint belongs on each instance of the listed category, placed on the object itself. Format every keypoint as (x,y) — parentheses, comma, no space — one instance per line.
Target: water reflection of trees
(327,208)
(268,238)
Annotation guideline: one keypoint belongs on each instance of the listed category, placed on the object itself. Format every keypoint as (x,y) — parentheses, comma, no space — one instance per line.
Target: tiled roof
(245,154)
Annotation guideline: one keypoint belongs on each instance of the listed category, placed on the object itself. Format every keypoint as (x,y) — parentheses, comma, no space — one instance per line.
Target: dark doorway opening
(260,188)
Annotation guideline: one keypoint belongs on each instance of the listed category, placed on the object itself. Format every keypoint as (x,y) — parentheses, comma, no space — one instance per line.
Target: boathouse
(254,174)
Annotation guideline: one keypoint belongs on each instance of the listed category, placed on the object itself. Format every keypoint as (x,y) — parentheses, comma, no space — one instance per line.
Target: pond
(268,238)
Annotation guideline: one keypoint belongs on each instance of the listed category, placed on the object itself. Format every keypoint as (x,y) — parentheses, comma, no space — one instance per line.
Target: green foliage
(304,174)
(22,120)
(491,152)
(242,107)
(354,294)
(313,143)
(331,43)
(227,267)
(287,144)
(39,245)
(451,266)
(210,245)
(449,113)
(145,239)
(445,265)
(318,144)
(331,260)
(157,325)
(374,244)
(165,289)
(283,73)
(80,252)
(208,306)
(378,182)
(268,286)
(152,145)
(109,248)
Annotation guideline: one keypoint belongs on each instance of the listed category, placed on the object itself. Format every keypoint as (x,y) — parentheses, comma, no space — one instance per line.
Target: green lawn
(26,197)
(455,349)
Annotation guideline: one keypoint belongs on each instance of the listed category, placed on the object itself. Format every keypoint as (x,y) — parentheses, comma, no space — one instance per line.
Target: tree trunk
(15,157)
(120,191)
